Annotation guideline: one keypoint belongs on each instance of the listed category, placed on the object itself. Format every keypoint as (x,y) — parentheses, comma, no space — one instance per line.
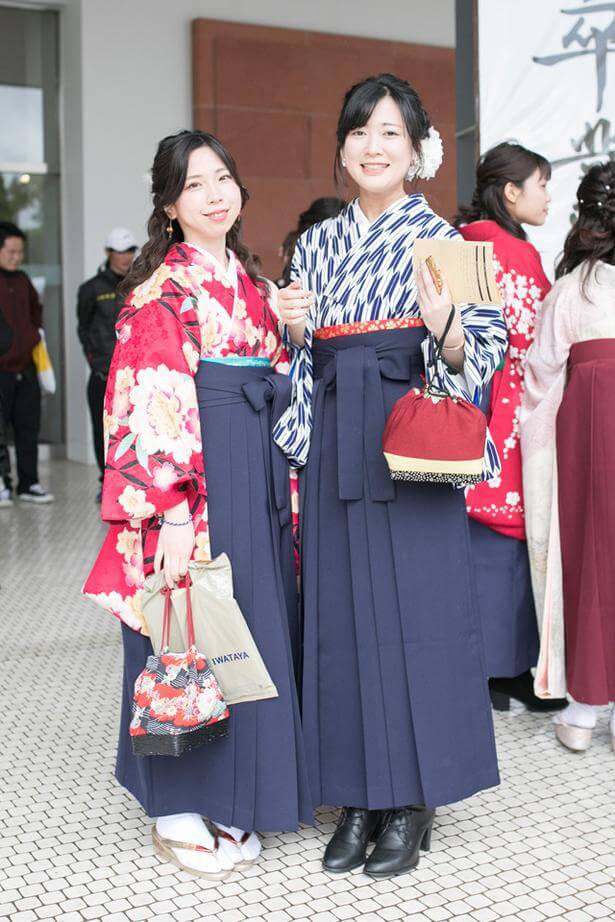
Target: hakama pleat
(395,702)
(256,778)
(586,463)
(505,601)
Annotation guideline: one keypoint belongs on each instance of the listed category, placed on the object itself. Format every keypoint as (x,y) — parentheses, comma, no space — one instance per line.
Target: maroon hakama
(586,488)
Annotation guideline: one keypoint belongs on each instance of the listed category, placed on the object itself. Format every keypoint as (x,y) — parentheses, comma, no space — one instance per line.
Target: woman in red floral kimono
(191,389)
(511,190)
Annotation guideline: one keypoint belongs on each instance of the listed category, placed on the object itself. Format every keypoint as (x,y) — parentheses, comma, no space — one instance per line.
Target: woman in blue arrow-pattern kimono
(395,704)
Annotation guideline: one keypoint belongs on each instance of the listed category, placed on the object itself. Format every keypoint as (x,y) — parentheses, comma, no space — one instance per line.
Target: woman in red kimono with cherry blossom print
(191,472)
(511,190)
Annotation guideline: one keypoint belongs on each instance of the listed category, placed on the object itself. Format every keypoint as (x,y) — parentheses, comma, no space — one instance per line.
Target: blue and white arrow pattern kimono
(360,273)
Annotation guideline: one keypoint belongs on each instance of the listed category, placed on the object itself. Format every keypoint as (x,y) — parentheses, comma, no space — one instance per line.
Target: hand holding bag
(177,704)
(435,437)
(220,629)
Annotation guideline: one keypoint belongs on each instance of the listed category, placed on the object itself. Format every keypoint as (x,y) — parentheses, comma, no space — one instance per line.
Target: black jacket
(97,310)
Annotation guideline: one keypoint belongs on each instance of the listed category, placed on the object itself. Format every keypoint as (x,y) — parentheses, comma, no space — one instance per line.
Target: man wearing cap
(97,310)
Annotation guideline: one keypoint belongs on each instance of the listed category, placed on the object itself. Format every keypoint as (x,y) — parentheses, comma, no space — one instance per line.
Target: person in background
(20,393)
(321,208)
(6,338)
(97,312)
(511,190)
(568,442)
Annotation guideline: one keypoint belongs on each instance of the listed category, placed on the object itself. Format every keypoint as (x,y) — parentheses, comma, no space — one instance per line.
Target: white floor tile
(74,846)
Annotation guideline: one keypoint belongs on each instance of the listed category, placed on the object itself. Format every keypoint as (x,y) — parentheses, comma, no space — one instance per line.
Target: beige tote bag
(221,632)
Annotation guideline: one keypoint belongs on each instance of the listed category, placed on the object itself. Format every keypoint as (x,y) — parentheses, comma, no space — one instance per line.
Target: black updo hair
(504,163)
(361,100)
(591,239)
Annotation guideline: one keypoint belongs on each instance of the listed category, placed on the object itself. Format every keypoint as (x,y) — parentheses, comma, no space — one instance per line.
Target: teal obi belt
(259,362)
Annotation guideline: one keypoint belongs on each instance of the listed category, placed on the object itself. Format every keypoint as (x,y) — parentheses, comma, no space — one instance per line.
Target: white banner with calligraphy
(547,80)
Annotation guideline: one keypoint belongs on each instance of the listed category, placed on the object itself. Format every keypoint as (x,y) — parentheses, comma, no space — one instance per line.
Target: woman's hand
(435,310)
(294,304)
(175,544)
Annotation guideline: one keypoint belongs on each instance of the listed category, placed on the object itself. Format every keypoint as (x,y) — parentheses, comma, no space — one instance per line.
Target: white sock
(246,851)
(234,831)
(190,827)
(613,720)
(578,715)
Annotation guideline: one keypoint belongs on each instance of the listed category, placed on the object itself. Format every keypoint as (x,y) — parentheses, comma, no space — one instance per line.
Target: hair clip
(581,201)
(608,188)
(599,204)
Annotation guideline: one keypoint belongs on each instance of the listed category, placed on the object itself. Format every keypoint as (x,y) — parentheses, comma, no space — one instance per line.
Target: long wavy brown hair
(591,239)
(168,179)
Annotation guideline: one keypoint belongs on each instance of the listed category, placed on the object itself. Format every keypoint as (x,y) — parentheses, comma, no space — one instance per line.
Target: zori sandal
(236,848)
(167,849)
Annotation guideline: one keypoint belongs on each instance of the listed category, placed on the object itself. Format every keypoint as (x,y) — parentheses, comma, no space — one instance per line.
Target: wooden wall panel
(273,96)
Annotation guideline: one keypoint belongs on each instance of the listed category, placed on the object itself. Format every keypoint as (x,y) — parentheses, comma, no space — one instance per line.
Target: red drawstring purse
(433,436)
(177,703)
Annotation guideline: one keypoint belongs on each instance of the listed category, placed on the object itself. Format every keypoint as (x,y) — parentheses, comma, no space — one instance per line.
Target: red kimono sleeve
(151,420)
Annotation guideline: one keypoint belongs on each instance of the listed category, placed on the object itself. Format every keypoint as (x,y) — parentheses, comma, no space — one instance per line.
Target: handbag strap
(436,353)
(166,618)
(189,618)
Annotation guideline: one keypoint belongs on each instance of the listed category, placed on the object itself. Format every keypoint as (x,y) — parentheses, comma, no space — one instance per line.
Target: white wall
(137,81)
(126,82)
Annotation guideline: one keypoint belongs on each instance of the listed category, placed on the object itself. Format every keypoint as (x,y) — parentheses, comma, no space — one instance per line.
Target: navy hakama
(395,702)
(505,601)
(256,778)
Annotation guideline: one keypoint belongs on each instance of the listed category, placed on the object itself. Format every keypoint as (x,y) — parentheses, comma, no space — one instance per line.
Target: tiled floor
(74,846)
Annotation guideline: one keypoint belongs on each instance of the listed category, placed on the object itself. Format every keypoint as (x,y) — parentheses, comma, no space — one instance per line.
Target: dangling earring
(170,228)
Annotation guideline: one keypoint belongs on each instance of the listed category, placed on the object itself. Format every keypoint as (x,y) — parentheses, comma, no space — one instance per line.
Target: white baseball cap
(120,239)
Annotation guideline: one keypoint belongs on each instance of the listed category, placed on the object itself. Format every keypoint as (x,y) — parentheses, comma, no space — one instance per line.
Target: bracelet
(454,348)
(164,521)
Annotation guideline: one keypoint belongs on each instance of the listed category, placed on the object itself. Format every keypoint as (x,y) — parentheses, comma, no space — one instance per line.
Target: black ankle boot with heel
(404,833)
(347,848)
(521,688)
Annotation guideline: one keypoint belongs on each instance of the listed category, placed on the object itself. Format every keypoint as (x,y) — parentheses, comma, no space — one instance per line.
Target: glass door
(30,171)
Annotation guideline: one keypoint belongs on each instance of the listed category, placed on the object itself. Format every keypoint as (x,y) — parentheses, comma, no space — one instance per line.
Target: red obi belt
(367,326)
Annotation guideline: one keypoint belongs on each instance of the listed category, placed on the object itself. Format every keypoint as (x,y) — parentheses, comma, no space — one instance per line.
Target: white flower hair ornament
(431,154)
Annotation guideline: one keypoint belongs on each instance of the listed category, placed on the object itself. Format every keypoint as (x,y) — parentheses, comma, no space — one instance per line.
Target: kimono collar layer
(228,276)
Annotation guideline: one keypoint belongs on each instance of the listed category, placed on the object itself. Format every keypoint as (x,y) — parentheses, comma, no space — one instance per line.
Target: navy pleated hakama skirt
(505,596)
(505,600)
(395,702)
(256,778)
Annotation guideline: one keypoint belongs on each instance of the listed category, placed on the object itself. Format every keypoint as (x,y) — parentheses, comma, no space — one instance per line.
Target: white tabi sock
(577,715)
(190,827)
(243,851)
(612,723)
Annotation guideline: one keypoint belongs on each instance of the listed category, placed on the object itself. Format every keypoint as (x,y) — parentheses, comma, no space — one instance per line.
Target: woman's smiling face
(211,199)
(379,155)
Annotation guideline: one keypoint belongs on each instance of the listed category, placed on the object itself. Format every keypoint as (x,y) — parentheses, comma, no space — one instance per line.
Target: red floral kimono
(498,502)
(186,311)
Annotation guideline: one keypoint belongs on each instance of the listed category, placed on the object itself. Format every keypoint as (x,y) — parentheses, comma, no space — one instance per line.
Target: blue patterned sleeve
(294,428)
(486,341)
